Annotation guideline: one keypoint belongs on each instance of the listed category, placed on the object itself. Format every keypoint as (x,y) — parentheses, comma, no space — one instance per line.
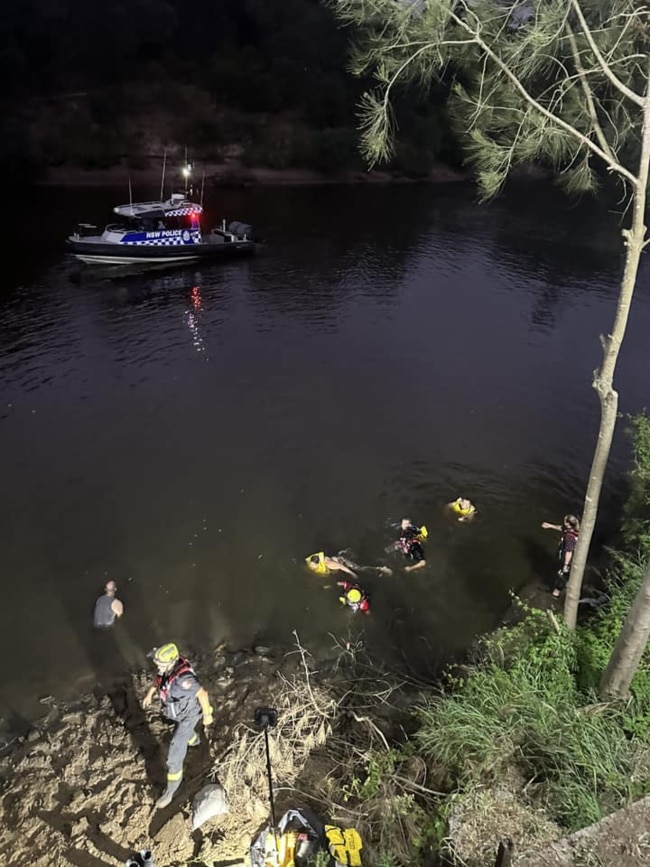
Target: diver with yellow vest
(462,509)
(321,564)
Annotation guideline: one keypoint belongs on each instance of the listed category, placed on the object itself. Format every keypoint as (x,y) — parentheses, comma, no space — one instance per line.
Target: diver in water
(463,509)
(321,564)
(410,544)
(354,597)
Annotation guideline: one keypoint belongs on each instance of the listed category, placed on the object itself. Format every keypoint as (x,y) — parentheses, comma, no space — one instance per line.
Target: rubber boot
(166,798)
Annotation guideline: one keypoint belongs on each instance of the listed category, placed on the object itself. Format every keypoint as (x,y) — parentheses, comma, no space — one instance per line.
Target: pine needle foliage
(532,81)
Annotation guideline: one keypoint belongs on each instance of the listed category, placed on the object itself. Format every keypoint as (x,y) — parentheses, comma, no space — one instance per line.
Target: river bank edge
(78,787)
(510,743)
(234,173)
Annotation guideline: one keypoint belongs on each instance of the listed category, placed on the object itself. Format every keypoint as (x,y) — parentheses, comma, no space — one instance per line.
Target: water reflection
(192,315)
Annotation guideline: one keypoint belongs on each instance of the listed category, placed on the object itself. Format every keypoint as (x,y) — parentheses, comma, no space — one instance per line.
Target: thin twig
(553,620)
(374,726)
(606,67)
(586,89)
(319,800)
(303,656)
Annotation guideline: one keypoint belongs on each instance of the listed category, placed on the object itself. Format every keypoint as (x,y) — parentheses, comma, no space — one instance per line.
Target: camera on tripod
(266,717)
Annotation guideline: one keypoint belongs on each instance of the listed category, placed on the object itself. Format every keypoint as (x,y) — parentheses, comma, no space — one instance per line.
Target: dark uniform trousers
(184,736)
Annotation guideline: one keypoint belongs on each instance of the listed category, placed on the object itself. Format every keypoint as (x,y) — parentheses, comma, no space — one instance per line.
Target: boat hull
(93,251)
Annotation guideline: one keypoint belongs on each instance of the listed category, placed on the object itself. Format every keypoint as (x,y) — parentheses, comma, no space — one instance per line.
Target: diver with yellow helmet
(354,597)
(463,509)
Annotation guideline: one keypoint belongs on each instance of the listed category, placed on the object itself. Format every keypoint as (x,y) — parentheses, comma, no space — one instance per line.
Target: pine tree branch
(586,89)
(396,75)
(614,164)
(606,68)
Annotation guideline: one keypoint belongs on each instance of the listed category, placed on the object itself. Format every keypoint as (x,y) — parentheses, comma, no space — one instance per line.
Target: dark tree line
(75,71)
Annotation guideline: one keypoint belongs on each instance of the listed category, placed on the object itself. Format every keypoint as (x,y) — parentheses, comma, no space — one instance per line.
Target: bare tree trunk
(630,644)
(634,239)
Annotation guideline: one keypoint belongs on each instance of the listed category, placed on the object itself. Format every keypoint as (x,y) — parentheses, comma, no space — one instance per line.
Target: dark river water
(194,433)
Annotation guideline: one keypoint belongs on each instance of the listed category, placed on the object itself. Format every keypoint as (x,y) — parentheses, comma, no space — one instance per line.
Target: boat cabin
(176,221)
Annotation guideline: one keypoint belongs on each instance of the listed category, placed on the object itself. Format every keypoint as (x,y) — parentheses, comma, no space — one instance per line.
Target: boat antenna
(130,195)
(162,178)
(202,186)
(185,171)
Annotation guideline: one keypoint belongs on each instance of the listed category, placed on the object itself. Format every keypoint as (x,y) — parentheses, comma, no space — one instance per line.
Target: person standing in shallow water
(107,608)
(569,529)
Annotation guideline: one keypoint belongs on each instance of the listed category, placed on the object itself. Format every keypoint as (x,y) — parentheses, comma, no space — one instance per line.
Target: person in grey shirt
(107,607)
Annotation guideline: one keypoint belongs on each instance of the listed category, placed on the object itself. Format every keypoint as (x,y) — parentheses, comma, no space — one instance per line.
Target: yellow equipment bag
(286,852)
(423,532)
(345,845)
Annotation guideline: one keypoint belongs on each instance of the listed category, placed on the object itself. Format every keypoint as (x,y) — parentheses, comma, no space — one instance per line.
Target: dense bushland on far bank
(265,83)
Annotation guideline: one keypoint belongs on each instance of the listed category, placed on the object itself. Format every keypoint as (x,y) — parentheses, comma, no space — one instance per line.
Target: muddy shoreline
(79,787)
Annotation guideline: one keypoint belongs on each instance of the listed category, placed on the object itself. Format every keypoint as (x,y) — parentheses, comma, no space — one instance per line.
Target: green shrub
(520,709)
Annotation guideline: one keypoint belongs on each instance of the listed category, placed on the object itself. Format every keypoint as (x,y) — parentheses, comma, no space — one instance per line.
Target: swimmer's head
(571,523)
(406,523)
(464,503)
(354,595)
(316,563)
(110,588)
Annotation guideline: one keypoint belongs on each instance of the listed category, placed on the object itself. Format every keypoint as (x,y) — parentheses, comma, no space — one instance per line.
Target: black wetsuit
(567,545)
(409,544)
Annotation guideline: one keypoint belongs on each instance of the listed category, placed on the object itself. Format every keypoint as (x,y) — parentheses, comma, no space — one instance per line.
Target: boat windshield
(156,223)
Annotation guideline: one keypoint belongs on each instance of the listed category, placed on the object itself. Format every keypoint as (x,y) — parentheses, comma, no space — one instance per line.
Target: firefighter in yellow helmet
(183,701)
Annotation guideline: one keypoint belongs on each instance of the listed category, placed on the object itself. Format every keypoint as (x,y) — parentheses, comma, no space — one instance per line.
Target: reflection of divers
(192,317)
(355,597)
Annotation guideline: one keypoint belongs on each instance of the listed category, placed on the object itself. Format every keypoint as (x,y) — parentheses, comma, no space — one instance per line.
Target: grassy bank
(517,742)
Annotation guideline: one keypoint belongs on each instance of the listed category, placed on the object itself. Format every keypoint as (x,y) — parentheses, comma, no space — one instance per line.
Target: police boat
(168,231)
